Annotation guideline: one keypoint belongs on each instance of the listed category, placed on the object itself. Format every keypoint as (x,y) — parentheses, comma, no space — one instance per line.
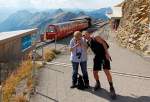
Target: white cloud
(43,4)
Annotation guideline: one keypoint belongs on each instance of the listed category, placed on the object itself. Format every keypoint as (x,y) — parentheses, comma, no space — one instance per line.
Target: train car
(84,17)
(61,30)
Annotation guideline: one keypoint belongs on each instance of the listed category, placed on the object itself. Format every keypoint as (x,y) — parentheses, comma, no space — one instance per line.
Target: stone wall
(133,32)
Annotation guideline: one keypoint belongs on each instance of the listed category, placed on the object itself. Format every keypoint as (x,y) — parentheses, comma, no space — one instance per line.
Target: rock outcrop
(134,32)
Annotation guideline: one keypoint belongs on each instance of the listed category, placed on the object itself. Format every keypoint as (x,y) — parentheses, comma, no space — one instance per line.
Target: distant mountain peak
(23,12)
(59,11)
(81,13)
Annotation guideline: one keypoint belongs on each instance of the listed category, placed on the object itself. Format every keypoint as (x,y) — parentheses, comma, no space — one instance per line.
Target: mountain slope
(100,13)
(17,20)
(25,19)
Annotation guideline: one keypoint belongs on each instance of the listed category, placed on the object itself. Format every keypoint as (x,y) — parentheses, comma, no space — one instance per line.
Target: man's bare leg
(96,77)
(109,78)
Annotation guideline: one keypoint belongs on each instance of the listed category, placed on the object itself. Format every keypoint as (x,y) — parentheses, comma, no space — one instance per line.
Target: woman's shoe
(73,86)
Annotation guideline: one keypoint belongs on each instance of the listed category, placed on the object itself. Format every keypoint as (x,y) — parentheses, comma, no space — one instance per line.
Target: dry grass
(56,51)
(38,65)
(20,99)
(24,71)
(49,54)
(9,87)
(30,83)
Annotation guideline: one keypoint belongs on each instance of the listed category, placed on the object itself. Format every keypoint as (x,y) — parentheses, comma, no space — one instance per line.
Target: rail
(114,72)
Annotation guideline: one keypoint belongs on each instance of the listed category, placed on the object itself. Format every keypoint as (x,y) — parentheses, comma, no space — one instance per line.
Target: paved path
(131,75)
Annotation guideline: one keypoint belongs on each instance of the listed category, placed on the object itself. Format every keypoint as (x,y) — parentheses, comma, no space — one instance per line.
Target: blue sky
(46,4)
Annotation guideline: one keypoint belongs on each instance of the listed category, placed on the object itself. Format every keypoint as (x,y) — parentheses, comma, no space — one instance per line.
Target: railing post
(33,72)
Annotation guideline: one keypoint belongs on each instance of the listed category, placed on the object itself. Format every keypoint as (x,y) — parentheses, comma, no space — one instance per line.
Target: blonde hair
(77,34)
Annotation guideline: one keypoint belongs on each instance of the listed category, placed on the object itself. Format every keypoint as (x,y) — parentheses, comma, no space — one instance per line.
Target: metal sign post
(55,41)
(42,55)
(34,69)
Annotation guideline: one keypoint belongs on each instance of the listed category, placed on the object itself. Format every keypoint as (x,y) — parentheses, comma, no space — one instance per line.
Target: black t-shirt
(97,48)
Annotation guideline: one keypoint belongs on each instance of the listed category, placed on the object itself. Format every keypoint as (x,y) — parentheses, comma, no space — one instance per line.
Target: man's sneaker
(97,86)
(113,93)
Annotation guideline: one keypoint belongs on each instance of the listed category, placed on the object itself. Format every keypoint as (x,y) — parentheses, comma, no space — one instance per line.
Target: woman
(78,48)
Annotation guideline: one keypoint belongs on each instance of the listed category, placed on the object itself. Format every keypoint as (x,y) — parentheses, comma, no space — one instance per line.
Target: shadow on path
(47,97)
(103,93)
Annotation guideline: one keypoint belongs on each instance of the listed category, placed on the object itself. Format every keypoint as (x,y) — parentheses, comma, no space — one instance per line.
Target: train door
(51,32)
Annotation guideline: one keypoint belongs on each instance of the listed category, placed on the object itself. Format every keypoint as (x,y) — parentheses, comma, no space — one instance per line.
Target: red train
(61,30)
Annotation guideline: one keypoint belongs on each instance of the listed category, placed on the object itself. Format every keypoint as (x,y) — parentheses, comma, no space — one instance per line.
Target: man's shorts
(100,63)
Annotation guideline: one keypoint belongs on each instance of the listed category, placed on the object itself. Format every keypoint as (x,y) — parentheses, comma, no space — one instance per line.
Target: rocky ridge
(134,32)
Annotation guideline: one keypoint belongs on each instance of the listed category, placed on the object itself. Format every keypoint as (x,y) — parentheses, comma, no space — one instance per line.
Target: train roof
(81,17)
(66,22)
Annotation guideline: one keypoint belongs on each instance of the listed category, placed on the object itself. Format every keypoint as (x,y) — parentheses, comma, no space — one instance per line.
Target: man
(78,48)
(102,58)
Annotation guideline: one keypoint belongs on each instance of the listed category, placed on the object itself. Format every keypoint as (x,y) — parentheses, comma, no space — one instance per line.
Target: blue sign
(26,42)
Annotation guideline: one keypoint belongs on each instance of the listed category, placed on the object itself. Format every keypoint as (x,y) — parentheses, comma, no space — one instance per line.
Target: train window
(51,29)
(63,27)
